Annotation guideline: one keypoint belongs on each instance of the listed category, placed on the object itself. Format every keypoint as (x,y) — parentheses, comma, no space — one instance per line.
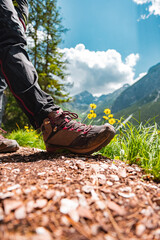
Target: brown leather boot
(8,145)
(61,131)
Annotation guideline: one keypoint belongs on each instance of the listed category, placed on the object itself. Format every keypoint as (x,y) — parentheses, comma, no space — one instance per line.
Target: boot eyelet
(55,129)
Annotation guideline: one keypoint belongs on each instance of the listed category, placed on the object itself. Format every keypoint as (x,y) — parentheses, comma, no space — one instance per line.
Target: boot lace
(68,122)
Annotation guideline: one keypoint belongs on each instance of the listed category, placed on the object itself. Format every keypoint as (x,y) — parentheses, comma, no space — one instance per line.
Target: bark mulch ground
(69,197)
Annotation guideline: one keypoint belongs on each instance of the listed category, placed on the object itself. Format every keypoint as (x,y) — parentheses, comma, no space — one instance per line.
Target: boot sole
(52,148)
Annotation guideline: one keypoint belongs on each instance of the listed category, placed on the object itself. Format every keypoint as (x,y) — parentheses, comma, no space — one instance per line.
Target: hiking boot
(61,131)
(7,145)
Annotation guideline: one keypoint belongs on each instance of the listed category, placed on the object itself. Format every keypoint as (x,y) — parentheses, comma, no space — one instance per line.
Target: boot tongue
(54,114)
(57,118)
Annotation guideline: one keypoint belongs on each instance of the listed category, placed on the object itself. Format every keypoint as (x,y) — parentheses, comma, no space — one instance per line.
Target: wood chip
(115,207)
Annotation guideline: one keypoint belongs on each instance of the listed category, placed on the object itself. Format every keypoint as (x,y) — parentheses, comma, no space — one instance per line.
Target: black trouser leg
(17,69)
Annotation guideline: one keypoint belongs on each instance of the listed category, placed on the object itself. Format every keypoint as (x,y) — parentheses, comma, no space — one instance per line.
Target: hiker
(59,128)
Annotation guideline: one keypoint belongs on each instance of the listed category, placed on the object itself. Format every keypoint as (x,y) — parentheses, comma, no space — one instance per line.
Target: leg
(60,130)
(17,69)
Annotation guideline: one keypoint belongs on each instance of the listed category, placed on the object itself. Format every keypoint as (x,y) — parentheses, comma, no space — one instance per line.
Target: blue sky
(125,32)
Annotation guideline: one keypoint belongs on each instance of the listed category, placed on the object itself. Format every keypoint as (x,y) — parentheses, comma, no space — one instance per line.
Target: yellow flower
(105,117)
(36,136)
(26,127)
(89,116)
(93,106)
(110,115)
(27,130)
(107,111)
(112,121)
(31,130)
(91,111)
(94,115)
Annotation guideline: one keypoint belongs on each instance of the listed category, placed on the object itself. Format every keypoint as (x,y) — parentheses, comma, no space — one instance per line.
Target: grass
(27,138)
(137,145)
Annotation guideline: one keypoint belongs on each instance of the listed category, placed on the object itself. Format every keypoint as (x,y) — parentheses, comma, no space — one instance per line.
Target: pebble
(16,186)
(122,172)
(40,203)
(42,234)
(114,177)
(109,183)
(95,229)
(68,205)
(49,194)
(16,170)
(10,205)
(30,206)
(100,205)
(140,228)
(6,195)
(126,195)
(20,213)
(113,167)
(157,233)
(41,174)
(65,221)
(87,189)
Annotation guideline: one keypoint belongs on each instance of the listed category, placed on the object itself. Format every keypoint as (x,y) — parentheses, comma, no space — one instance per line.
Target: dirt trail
(46,196)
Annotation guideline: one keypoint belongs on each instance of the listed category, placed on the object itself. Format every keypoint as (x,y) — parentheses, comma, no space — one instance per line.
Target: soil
(69,197)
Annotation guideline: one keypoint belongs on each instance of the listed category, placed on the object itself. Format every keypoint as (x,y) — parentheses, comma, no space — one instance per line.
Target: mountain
(83,98)
(143,90)
(82,101)
(142,100)
(146,110)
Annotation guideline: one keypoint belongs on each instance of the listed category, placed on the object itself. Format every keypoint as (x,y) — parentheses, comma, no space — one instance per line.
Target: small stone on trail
(140,228)
(49,193)
(114,177)
(10,205)
(126,195)
(13,187)
(87,189)
(6,195)
(20,213)
(42,234)
(122,172)
(40,203)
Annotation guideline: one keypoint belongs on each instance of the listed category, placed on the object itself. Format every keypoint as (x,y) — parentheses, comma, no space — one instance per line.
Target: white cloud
(98,72)
(141,75)
(141,1)
(154,7)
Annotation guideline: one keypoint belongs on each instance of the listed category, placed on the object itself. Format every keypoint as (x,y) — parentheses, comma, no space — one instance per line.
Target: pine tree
(45,29)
